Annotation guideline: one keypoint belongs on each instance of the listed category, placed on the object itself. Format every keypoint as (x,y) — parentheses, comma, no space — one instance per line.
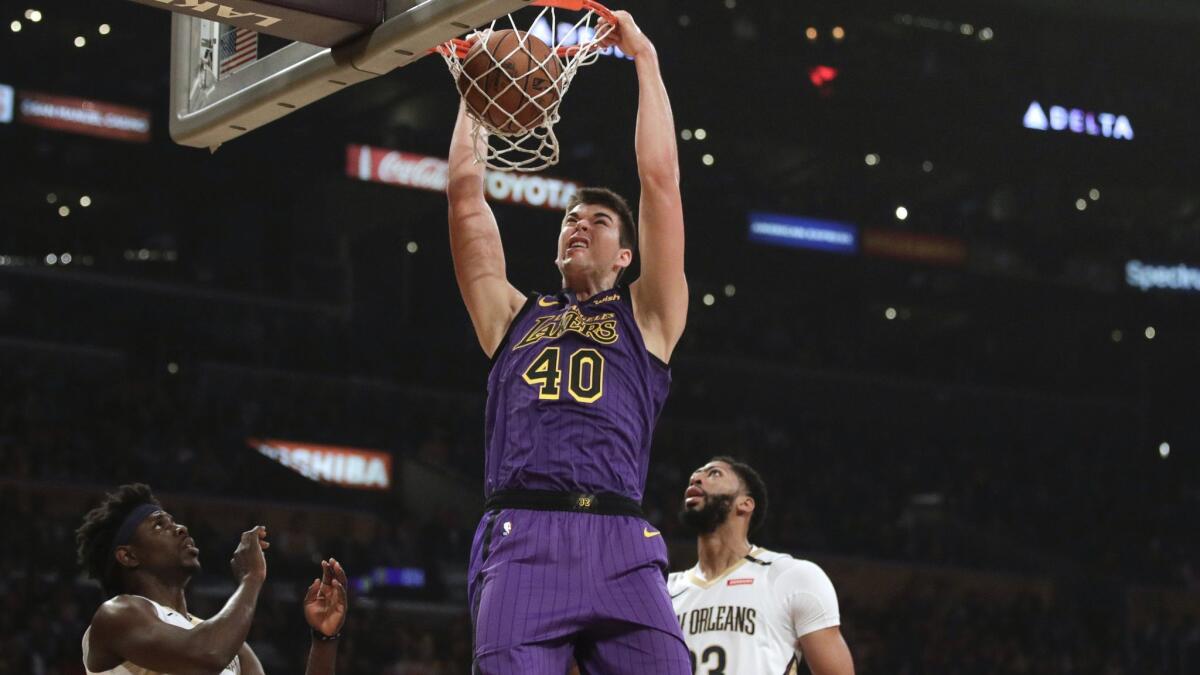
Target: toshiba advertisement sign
(421,172)
(81,116)
(347,467)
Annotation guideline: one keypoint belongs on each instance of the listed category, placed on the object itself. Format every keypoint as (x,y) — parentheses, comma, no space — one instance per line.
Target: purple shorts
(548,585)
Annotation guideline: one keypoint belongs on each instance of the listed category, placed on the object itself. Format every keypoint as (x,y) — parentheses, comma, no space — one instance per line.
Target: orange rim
(462,47)
(578,6)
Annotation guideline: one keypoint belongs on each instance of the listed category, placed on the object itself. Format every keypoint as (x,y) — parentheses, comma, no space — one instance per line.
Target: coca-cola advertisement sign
(406,169)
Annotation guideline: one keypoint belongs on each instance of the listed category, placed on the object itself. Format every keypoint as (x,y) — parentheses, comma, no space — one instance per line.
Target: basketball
(510,80)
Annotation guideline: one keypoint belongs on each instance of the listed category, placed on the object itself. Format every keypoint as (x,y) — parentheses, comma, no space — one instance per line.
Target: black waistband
(603,503)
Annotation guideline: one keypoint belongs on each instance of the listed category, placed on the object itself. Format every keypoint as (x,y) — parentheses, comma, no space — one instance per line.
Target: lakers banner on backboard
(347,467)
(317,22)
(430,173)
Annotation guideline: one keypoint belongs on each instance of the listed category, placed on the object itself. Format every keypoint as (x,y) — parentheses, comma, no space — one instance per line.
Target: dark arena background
(944,265)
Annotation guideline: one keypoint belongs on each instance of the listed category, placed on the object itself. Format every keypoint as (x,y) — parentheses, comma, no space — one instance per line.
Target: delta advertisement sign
(421,172)
(83,116)
(347,467)
(1078,121)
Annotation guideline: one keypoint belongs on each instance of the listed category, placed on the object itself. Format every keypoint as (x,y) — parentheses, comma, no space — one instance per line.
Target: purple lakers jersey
(573,397)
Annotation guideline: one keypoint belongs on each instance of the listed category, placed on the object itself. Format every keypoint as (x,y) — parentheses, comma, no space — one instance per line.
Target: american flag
(238,48)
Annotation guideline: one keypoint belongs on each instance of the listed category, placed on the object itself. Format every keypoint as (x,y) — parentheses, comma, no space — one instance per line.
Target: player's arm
(129,628)
(475,243)
(826,653)
(812,605)
(660,294)
(249,661)
(325,609)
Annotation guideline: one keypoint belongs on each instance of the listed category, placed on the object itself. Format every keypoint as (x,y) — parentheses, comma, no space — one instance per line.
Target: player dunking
(744,609)
(144,560)
(562,562)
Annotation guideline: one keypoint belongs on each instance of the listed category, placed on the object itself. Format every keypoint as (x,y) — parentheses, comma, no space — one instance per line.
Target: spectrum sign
(1162,277)
(797,232)
(1078,121)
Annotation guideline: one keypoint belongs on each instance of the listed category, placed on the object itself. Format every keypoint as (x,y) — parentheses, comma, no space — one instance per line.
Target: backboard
(221,89)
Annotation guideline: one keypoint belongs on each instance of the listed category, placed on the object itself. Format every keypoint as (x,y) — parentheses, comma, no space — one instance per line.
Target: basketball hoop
(519,127)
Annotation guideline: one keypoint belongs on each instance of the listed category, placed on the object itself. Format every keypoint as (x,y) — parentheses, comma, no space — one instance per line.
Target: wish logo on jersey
(723,618)
(601,328)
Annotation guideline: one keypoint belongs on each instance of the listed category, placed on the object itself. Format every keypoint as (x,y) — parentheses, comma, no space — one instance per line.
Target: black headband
(129,526)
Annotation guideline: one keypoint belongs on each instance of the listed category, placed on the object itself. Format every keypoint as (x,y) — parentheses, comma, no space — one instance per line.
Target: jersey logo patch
(647,533)
(739,582)
(601,328)
(543,302)
(608,298)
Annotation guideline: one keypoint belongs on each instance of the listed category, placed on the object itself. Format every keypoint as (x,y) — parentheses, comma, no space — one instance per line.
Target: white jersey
(166,615)
(746,620)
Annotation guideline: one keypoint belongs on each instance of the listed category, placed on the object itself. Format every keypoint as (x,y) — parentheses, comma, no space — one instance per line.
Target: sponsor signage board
(83,116)
(347,467)
(1148,277)
(1077,121)
(798,232)
(421,172)
(6,104)
(917,247)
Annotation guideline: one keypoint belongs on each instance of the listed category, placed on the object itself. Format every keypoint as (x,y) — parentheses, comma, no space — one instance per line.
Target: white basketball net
(513,145)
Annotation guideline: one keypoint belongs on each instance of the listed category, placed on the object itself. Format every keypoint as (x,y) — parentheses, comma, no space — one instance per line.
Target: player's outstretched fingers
(313,590)
(248,560)
(339,573)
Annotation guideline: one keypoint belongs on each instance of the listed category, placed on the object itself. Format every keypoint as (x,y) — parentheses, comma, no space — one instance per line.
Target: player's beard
(707,519)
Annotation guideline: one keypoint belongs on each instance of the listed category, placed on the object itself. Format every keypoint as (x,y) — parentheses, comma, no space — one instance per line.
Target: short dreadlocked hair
(94,537)
(753,485)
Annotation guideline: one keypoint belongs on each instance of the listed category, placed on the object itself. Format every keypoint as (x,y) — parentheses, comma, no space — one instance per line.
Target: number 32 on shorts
(585,374)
